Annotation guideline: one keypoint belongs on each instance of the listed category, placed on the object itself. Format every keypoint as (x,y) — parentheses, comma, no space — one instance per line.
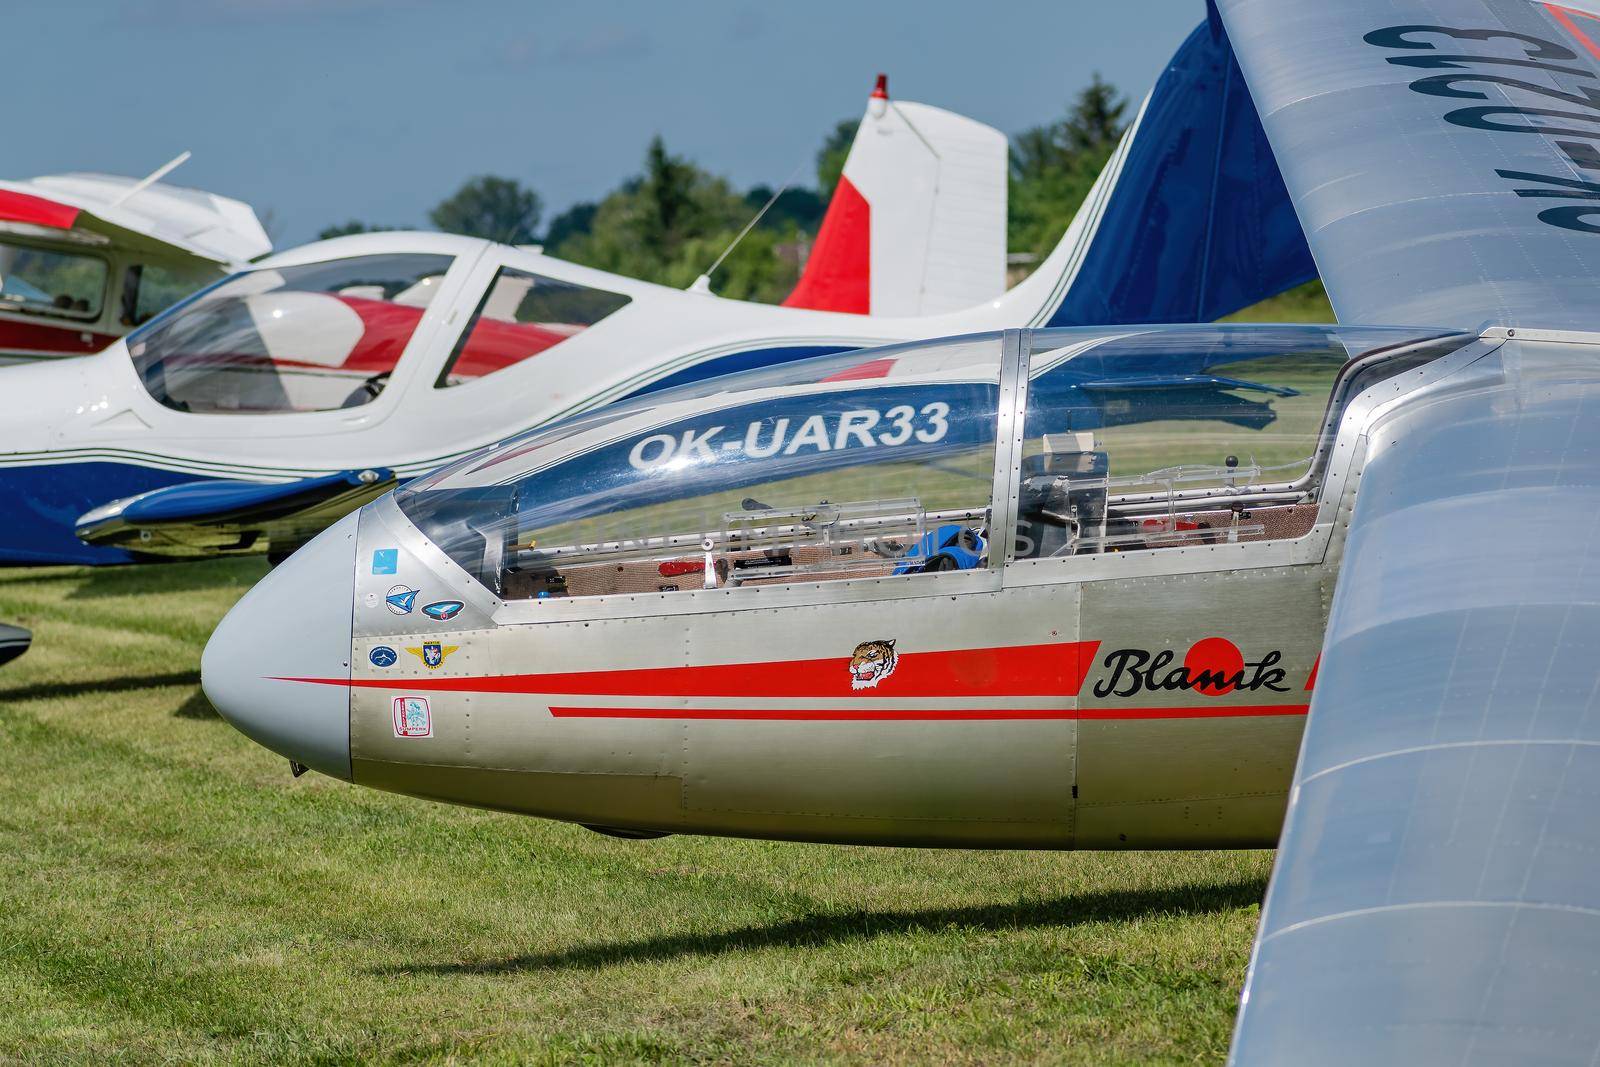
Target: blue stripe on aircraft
(42,504)
(734,362)
(1200,224)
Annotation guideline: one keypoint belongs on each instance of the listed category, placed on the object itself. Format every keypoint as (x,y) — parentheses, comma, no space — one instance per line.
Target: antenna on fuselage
(156,175)
(702,284)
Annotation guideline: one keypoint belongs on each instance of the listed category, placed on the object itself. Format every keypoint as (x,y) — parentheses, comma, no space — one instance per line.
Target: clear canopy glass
(523,315)
(887,462)
(1158,438)
(311,337)
(862,464)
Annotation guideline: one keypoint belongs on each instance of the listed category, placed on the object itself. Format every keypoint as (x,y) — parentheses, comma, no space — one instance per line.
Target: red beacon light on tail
(878,102)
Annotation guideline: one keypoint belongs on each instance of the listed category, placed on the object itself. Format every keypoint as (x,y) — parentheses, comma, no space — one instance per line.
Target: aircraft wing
(1441,154)
(154,219)
(1436,897)
(213,517)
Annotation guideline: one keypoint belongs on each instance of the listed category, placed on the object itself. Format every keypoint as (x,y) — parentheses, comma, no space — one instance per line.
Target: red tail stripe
(1018,671)
(838,276)
(865,714)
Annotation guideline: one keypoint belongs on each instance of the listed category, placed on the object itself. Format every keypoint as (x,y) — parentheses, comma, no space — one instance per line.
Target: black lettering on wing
(1448,85)
(1481,118)
(1401,37)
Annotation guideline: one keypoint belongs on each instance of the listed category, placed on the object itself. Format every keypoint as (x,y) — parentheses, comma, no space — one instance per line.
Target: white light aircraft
(253,415)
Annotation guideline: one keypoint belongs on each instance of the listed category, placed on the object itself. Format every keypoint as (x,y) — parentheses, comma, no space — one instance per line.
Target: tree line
(670,222)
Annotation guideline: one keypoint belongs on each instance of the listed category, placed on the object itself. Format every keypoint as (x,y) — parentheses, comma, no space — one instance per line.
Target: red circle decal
(1217,657)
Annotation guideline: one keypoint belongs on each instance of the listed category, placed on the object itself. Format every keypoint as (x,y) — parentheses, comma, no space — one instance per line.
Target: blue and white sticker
(412,717)
(386,561)
(443,610)
(400,599)
(383,656)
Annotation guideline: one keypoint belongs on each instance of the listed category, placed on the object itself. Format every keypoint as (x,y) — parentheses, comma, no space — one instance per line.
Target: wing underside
(1443,156)
(1437,891)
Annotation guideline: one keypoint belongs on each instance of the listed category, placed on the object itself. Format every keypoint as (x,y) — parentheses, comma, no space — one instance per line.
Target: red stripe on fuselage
(1021,670)
(63,338)
(872,714)
(1564,15)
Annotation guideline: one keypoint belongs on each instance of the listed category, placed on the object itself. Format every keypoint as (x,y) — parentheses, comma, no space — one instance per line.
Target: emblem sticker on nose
(412,717)
(386,561)
(432,654)
(400,599)
(382,656)
(443,610)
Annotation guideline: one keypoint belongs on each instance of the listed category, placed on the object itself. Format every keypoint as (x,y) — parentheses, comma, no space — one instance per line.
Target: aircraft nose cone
(295,624)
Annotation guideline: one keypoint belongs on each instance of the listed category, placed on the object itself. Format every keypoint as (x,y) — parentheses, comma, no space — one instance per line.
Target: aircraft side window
(1172,438)
(864,465)
(520,316)
(309,337)
(150,288)
(51,284)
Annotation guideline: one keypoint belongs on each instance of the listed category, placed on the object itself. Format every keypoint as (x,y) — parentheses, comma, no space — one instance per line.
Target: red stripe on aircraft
(866,714)
(838,276)
(1021,670)
(20,207)
(872,368)
(1564,15)
(51,337)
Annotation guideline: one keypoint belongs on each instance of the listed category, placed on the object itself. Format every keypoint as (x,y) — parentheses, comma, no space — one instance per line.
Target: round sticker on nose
(383,656)
(400,599)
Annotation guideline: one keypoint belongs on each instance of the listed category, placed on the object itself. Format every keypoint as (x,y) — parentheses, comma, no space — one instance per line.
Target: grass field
(171,895)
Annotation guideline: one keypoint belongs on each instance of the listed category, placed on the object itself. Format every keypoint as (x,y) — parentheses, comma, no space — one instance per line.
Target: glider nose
(278,665)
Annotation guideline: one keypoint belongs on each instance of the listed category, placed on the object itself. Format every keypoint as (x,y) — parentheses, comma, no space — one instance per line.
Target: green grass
(170,894)
(1303,303)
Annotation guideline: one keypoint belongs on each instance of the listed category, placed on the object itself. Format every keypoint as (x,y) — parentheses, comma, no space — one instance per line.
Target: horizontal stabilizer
(224,517)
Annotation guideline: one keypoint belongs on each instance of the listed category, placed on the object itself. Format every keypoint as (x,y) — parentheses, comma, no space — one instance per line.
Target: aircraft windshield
(312,337)
(859,465)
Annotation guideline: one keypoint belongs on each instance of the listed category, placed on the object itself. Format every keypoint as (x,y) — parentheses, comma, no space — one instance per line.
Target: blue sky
(318,111)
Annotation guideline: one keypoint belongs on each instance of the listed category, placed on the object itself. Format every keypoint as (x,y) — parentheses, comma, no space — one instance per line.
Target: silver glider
(1100,587)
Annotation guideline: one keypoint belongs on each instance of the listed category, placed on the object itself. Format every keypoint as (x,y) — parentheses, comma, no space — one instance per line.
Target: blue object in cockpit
(951,547)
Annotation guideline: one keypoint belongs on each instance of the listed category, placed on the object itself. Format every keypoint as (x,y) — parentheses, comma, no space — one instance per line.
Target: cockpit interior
(922,459)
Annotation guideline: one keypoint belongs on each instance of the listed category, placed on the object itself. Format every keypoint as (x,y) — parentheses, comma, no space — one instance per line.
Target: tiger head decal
(871,663)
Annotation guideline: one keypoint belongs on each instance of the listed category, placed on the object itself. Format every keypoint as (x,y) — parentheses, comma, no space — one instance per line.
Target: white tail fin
(917,223)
